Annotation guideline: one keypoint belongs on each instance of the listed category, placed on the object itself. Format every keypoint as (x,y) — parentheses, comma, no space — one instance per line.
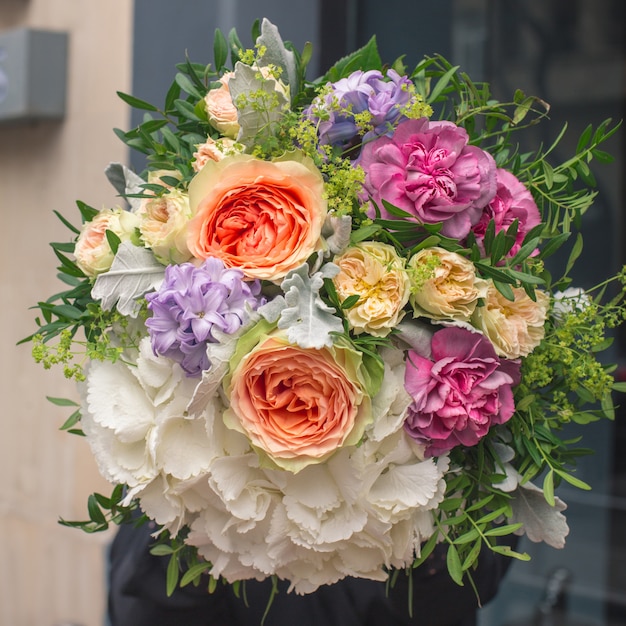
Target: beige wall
(50,574)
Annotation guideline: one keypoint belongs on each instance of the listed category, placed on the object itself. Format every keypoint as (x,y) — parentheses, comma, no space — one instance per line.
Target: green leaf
(572,480)
(470,535)
(500,531)
(548,488)
(62,401)
(71,421)
(508,551)
(584,139)
(426,550)
(548,173)
(607,406)
(350,301)
(136,103)
(194,572)
(95,514)
(454,565)
(441,84)
(162,549)
(575,253)
(480,504)
(113,240)
(172,575)
(505,290)
(472,555)
(66,223)
(220,49)
(366,57)
(185,83)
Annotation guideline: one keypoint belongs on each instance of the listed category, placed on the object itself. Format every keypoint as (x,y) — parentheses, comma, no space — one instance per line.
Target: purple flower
(512,202)
(359,92)
(191,303)
(428,170)
(458,393)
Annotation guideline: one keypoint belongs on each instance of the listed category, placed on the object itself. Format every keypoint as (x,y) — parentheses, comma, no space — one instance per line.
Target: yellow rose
(163,226)
(92,250)
(450,289)
(375,273)
(514,328)
(220,109)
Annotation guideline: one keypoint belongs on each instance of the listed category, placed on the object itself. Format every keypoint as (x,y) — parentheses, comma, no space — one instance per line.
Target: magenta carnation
(458,393)
(512,202)
(428,170)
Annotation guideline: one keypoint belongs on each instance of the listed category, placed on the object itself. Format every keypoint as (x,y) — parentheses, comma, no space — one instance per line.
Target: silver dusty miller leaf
(133,273)
(541,521)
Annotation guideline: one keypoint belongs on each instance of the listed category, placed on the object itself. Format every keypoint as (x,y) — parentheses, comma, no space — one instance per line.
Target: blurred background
(61,63)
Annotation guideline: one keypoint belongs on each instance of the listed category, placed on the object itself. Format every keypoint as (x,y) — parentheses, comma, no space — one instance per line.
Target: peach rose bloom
(92,250)
(263,217)
(221,111)
(452,291)
(375,273)
(514,328)
(212,150)
(297,405)
(163,226)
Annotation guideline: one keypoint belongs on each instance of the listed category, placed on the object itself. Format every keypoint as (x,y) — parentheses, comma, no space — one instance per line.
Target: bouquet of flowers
(320,336)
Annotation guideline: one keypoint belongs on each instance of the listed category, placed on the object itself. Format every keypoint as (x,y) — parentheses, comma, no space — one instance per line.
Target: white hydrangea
(366,509)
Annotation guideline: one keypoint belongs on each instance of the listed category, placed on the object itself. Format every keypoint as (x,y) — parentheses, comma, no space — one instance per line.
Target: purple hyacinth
(191,303)
(361,91)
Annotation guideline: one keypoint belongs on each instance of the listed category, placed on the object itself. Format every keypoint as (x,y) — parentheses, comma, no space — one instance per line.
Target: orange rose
(298,405)
(264,217)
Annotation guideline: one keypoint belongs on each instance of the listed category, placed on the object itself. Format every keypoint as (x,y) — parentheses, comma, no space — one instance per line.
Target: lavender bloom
(191,304)
(359,92)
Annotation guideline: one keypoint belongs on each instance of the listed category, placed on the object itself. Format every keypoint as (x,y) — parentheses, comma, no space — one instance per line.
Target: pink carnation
(428,170)
(512,202)
(458,393)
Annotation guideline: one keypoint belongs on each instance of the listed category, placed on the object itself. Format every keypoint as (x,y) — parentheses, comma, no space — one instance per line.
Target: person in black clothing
(137,595)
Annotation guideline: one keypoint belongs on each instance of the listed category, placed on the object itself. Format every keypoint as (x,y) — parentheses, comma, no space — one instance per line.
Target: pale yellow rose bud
(514,328)
(445,285)
(375,273)
(163,226)
(92,250)
(212,150)
(155,177)
(221,110)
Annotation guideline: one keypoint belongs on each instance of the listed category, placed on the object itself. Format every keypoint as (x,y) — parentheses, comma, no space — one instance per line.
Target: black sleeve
(137,595)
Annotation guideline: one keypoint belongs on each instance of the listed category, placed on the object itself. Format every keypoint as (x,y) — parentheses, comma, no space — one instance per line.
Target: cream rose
(264,217)
(297,405)
(163,226)
(445,285)
(514,328)
(221,111)
(212,150)
(92,250)
(375,273)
